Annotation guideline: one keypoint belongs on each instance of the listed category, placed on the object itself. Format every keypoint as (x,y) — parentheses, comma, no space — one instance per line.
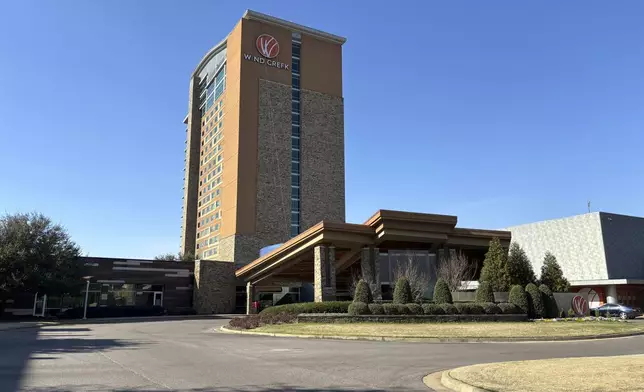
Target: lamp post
(87,279)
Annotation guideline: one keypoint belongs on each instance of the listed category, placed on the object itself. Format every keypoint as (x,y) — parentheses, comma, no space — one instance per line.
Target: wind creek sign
(579,305)
(268,48)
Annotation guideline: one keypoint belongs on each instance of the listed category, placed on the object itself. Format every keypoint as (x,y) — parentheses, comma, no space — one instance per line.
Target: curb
(433,340)
(456,385)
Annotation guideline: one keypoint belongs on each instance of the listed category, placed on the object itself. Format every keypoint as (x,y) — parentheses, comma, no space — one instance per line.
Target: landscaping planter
(345,318)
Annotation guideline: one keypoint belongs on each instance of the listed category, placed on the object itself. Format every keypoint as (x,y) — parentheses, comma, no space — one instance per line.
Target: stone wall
(214,289)
(322,158)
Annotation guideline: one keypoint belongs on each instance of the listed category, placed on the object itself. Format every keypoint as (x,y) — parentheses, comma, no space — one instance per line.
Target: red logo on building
(267,46)
(579,305)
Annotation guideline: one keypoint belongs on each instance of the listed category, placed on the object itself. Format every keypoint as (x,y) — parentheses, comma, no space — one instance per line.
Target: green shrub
(376,309)
(402,291)
(519,298)
(358,308)
(597,313)
(442,295)
(508,308)
(363,293)
(257,320)
(536,308)
(390,309)
(484,293)
(468,308)
(571,313)
(549,302)
(309,307)
(433,309)
(562,314)
(414,308)
(449,309)
(491,308)
(402,309)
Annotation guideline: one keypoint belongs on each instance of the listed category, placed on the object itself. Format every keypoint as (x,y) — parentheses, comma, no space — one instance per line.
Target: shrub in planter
(449,309)
(508,308)
(468,308)
(536,308)
(402,291)
(519,298)
(433,309)
(442,295)
(491,308)
(376,309)
(414,308)
(484,293)
(390,309)
(363,293)
(402,309)
(358,308)
(549,302)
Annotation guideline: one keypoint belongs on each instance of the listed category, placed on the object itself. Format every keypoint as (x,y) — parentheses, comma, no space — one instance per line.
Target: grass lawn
(622,373)
(458,330)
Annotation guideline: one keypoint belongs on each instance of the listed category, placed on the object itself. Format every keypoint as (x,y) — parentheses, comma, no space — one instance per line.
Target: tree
(37,255)
(519,298)
(442,294)
(484,293)
(495,270)
(552,275)
(402,291)
(519,267)
(175,257)
(418,280)
(363,293)
(550,303)
(536,306)
(454,268)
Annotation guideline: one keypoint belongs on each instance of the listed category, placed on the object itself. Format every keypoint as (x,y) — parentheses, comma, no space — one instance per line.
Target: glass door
(158,298)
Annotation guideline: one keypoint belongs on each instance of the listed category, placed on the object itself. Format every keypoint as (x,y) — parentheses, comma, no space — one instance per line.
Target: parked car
(617,310)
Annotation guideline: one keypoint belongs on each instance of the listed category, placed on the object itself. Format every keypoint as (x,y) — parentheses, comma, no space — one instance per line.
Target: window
(295,143)
(295,180)
(295,106)
(295,205)
(295,65)
(295,130)
(295,155)
(295,81)
(295,218)
(295,167)
(295,230)
(295,95)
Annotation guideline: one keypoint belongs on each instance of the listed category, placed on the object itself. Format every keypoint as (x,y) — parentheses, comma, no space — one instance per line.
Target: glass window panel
(295,167)
(295,106)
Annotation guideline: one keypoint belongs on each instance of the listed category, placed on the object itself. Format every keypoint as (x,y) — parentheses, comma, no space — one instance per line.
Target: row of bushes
(257,320)
(309,307)
(361,308)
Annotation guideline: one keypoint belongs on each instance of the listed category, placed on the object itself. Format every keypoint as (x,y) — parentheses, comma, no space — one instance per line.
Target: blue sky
(500,112)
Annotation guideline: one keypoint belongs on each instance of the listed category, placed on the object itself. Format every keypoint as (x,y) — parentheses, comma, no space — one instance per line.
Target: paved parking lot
(187,356)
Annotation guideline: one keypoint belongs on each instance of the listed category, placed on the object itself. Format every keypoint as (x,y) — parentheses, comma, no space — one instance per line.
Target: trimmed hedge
(390,309)
(309,307)
(442,295)
(363,293)
(402,291)
(519,298)
(536,308)
(549,303)
(508,308)
(415,308)
(433,309)
(491,308)
(358,308)
(257,320)
(449,308)
(376,309)
(484,292)
(469,308)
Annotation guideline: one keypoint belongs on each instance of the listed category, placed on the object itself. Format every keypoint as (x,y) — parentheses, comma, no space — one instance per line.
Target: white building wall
(575,241)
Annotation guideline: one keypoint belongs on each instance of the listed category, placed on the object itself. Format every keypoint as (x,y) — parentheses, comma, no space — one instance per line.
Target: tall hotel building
(264,139)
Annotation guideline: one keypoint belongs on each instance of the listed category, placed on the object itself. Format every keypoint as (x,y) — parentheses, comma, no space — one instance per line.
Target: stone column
(371,270)
(611,294)
(250,295)
(324,273)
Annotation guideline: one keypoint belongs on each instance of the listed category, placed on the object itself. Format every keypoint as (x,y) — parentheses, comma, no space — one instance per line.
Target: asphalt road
(188,356)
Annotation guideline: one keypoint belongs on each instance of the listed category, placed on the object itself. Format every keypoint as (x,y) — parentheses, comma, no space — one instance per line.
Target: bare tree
(454,269)
(418,279)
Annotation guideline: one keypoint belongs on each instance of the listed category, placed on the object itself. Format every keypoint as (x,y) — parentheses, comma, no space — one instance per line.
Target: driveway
(187,356)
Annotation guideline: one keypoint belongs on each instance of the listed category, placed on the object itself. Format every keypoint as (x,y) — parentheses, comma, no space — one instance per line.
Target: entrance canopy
(342,245)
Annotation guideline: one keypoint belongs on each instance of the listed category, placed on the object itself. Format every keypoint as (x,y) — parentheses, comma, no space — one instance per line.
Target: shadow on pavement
(275,388)
(19,346)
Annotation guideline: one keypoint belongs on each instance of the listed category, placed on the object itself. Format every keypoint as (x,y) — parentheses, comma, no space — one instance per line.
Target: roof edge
(254,15)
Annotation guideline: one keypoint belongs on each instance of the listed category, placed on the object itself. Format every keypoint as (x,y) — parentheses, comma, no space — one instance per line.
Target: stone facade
(324,288)
(370,266)
(214,289)
(576,242)
(322,158)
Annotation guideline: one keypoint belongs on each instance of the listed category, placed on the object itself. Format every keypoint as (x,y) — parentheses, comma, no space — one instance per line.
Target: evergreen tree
(519,267)
(402,291)
(495,270)
(442,295)
(552,275)
(363,293)
(484,293)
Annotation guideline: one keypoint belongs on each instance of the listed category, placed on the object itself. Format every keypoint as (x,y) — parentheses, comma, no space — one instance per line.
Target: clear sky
(500,112)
